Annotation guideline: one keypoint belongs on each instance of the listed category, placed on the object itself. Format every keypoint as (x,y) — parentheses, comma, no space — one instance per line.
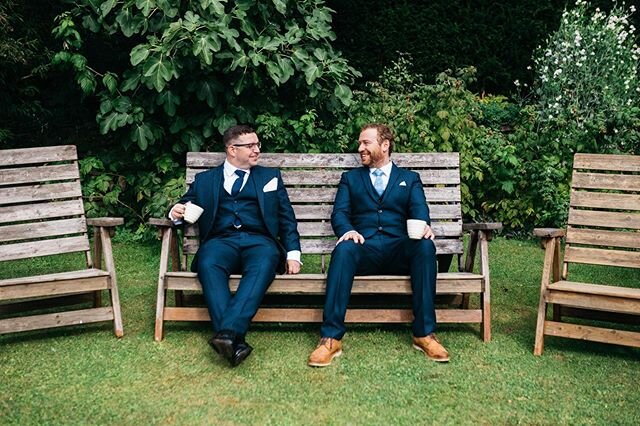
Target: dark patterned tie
(235,189)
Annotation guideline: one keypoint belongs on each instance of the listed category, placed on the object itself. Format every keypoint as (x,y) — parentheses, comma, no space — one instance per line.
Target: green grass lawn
(84,375)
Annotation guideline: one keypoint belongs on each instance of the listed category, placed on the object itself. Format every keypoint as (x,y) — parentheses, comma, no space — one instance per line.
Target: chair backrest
(312,181)
(604,211)
(41,210)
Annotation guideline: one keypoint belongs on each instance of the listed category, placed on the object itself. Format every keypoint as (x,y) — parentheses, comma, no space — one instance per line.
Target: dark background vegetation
(512,171)
(42,105)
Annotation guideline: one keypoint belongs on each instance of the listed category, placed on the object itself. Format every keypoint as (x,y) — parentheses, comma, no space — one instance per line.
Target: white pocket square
(403,183)
(272,185)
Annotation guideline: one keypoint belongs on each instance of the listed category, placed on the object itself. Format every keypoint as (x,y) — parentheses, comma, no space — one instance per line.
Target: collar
(386,169)
(230,170)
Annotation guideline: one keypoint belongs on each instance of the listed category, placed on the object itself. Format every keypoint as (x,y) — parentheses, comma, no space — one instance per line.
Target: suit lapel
(366,182)
(216,185)
(256,179)
(393,178)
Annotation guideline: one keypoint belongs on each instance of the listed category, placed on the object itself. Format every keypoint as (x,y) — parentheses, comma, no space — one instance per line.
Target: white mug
(192,212)
(416,228)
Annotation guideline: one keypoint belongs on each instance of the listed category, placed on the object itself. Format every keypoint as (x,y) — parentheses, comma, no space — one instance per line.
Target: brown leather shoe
(431,348)
(325,352)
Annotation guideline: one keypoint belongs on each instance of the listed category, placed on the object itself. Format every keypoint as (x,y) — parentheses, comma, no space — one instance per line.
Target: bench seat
(312,181)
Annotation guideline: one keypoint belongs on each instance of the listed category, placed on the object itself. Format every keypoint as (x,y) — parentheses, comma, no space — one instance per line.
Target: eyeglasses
(251,146)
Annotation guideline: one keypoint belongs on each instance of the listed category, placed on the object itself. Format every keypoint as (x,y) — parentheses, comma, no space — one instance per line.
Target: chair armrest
(105,222)
(160,222)
(549,232)
(496,226)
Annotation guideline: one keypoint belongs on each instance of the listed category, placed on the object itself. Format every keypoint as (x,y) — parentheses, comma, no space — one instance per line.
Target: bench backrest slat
(41,210)
(312,181)
(604,212)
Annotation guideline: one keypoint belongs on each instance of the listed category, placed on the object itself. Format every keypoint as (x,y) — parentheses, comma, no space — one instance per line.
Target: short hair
(234,132)
(384,132)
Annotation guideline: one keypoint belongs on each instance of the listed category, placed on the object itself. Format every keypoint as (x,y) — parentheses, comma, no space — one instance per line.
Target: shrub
(588,80)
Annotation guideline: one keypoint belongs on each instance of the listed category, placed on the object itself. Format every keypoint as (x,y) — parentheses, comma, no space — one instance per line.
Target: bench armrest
(105,222)
(160,222)
(493,226)
(549,232)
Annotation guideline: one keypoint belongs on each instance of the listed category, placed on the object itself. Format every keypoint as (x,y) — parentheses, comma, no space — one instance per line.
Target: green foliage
(113,186)
(588,79)
(23,63)
(196,69)
(192,70)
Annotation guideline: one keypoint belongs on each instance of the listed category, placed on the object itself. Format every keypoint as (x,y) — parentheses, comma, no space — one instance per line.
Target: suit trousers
(381,255)
(256,257)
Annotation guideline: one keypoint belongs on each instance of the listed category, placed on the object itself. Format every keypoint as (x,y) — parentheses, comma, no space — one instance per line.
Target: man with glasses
(248,226)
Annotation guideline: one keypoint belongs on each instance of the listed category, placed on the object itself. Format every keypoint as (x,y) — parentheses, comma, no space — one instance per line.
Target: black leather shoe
(224,344)
(241,351)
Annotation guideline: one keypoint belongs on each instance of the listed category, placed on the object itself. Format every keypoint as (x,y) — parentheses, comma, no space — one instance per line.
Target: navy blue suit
(224,251)
(387,249)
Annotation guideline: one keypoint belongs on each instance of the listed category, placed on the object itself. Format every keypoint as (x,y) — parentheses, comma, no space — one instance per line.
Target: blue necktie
(237,184)
(235,190)
(378,184)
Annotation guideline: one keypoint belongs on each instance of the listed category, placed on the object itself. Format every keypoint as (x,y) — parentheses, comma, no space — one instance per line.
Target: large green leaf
(110,82)
(286,68)
(224,122)
(311,72)
(206,91)
(281,6)
(343,93)
(145,6)
(129,23)
(141,134)
(139,53)
(159,72)
(106,7)
(169,102)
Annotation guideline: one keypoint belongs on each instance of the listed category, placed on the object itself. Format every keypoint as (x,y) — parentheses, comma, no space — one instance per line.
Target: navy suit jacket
(358,207)
(275,207)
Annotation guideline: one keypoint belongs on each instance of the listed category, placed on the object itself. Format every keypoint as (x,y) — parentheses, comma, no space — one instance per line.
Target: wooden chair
(603,229)
(312,181)
(41,214)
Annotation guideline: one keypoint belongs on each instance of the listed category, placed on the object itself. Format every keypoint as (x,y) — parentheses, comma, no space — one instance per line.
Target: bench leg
(485,296)
(162,292)
(113,287)
(550,247)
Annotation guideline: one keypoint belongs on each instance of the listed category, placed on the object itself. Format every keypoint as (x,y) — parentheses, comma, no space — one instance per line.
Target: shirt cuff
(348,232)
(175,221)
(294,255)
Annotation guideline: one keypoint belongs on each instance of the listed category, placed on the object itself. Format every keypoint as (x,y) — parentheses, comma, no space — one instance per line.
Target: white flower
(517,83)
(557,72)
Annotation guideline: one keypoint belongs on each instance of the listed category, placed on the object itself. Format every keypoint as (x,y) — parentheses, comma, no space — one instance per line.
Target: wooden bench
(41,214)
(603,229)
(311,181)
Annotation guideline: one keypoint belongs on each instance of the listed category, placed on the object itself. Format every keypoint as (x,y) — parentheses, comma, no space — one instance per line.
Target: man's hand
(177,212)
(352,235)
(428,233)
(293,267)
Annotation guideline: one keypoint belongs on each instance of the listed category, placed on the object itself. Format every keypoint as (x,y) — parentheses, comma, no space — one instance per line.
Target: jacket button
(379,228)
(379,211)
